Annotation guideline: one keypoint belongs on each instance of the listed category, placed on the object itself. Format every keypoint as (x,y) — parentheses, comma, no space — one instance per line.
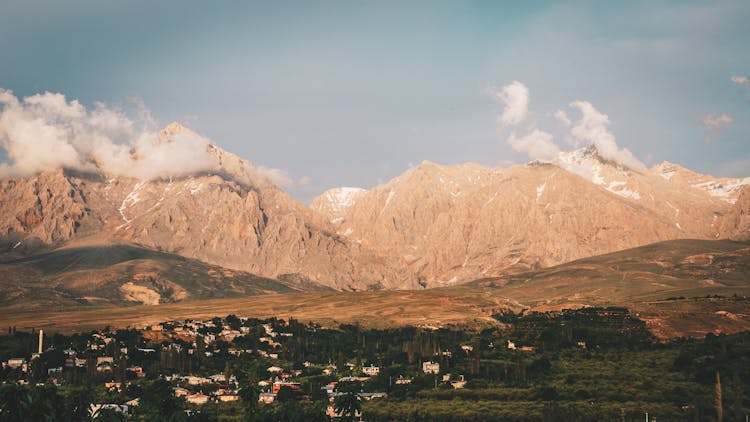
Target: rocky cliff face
(448,224)
(433,225)
(234,218)
(736,224)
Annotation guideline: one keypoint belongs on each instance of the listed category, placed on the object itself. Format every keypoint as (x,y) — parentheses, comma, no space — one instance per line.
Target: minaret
(41,339)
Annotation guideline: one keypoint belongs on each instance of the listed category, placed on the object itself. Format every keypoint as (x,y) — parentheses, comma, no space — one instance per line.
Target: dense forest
(573,365)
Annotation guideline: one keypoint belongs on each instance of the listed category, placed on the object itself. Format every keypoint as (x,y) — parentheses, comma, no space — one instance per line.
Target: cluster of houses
(108,358)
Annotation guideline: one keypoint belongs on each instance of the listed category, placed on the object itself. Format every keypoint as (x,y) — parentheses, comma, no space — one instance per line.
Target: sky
(353,93)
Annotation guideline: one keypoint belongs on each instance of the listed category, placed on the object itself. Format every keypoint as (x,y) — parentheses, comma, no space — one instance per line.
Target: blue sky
(353,93)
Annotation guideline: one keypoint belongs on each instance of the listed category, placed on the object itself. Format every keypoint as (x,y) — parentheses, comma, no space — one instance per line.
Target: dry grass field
(680,288)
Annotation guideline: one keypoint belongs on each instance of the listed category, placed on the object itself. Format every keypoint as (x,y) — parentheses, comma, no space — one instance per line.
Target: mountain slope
(684,287)
(432,226)
(117,274)
(233,217)
(448,224)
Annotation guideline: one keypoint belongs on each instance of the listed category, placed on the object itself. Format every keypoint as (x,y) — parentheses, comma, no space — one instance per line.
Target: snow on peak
(339,199)
(587,163)
(723,188)
(666,170)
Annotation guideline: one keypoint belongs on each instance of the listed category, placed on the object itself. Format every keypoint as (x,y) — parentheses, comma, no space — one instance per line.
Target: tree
(719,407)
(285,393)
(159,401)
(78,402)
(347,405)
(14,400)
(249,396)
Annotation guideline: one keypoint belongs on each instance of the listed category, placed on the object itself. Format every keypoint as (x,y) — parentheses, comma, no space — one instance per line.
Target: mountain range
(432,226)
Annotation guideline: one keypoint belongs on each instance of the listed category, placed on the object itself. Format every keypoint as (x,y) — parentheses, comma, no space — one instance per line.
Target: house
(218,378)
(180,392)
(331,413)
(104,359)
(329,388)
(193,380)
(198,398)
(274,369)
(95,409)
(113,386)
(16,362)
(458,384)
(511,345)
(370,396)
(582,344)
(137,370)
(467,348)
(293,385)
(226,397)
(401,380)
(266,398)
(353,379)
(371,370)
(104,367)
(430,367)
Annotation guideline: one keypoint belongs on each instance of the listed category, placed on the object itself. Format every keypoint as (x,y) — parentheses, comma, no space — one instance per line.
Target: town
(234,368)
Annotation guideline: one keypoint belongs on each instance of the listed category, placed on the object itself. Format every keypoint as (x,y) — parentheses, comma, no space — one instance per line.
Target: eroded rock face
(448,224)
(50,208)
(736,224)
(234,218)
(433,225)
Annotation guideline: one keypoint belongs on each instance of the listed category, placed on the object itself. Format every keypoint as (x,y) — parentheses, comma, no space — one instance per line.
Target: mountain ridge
(431,226)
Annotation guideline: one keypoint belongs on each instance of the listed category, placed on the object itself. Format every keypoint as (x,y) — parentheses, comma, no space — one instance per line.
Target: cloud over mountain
(48,131)
(592,128)
(536,144)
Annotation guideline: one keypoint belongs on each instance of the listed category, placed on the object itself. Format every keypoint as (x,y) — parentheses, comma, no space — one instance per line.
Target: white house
(430,367)
(371,370)
(198,398)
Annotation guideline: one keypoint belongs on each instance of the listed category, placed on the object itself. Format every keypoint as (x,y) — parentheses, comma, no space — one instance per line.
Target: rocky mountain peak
(173,129)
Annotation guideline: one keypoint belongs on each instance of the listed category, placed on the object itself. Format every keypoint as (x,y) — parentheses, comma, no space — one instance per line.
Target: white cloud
(562,117)
(741,80)
(592,128)
(281,177)
(713,121)
(515,96)
(46,131)
(276,176)
(536,144)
